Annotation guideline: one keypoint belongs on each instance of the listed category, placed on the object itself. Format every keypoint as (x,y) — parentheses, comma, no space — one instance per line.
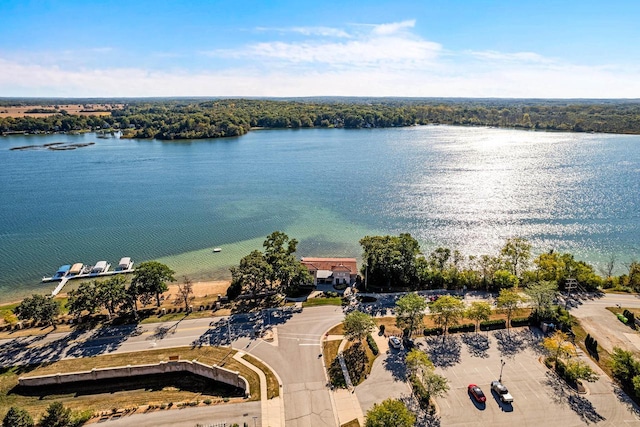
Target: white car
(395,342)
(501,391)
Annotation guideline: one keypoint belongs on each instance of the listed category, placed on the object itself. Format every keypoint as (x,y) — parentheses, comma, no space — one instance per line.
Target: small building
(332,271)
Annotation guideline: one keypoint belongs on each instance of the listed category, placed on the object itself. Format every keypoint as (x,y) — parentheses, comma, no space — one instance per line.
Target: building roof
(333,264)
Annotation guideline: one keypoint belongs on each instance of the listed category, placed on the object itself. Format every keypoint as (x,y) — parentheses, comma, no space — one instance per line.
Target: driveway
(387,377)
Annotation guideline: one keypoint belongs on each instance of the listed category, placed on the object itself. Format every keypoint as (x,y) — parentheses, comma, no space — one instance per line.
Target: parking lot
(540,398)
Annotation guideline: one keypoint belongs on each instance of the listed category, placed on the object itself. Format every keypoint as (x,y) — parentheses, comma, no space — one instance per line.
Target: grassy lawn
(273,386)
(135,394)
(604,357)
(337,330)
(352,423)
(330,351)
(313,302)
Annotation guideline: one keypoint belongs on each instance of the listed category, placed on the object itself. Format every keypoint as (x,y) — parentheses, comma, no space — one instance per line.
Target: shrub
(520,321)
(372,345)
(432,331)
(622,318)
(490,325)
(467,327)
(234,290)
(419,391)
(335,374)
(207,402)
(163,406)
(382,328)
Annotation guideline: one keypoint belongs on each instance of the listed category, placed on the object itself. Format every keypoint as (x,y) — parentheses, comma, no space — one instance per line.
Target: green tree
(83,299)
(579,370)
(410,312)
(150,278)
(252,274)
(357,325)
(435,385)
(503,279)
(517,253)
(447,311)
(390,261)
(390,413)
(418,362)
(57,415)
(278,253)
(509,301)
(624,366)
(17,417)
(478,311)
(542,294)
(111,294)
(38,308)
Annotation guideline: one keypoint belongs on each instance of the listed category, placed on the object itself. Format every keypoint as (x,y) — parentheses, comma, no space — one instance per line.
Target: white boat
(124,264)
(217,249)
(100,267)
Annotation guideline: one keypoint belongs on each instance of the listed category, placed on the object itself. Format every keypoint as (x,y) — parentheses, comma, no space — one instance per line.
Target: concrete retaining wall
(214,372)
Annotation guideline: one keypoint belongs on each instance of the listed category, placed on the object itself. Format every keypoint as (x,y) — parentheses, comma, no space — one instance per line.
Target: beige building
(332,271)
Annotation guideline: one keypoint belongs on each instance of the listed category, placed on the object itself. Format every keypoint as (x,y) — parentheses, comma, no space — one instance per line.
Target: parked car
(394,342)
(501,391)
(477,393)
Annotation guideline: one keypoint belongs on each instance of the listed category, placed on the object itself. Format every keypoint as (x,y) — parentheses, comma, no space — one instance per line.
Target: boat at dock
(82,271)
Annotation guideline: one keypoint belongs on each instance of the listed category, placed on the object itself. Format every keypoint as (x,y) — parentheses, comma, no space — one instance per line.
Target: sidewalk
(272,409)
(346,402)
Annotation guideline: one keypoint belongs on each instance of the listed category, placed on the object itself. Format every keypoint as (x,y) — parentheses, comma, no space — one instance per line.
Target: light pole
(502,363)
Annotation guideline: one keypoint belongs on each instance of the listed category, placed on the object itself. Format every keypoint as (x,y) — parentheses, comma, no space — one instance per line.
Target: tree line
(397,263)
(113,295)
(195,118)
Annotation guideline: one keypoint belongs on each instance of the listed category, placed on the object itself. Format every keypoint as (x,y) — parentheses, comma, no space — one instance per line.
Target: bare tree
(607,269)
(185,293)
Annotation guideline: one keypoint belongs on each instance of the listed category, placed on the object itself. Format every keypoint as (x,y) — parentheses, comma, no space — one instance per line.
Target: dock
(80,271)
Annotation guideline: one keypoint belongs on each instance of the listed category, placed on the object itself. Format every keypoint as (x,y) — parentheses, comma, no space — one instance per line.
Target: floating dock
(81,271)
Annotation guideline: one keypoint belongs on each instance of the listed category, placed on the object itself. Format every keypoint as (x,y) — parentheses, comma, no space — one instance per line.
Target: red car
(477,393)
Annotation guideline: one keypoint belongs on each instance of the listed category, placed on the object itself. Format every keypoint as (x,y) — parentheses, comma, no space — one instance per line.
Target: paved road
(603,325)
(240,413)
(297,360)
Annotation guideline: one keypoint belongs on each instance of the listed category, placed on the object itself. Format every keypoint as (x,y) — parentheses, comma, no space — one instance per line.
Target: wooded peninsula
(192,118)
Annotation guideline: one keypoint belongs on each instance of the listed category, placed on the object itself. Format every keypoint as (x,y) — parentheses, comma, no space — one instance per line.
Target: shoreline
(201,289)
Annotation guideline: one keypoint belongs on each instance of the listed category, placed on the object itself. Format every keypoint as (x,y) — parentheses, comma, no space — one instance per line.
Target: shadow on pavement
(477,344)
(394,363)
(445,353)
(423,418)
(562,394)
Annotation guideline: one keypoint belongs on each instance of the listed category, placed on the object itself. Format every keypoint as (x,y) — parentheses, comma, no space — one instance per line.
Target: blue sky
(456,48)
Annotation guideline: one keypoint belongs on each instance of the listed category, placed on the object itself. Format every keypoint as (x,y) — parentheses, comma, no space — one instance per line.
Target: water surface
(465,188)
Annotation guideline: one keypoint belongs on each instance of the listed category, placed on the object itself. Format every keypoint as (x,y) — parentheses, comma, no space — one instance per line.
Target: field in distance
(48,110)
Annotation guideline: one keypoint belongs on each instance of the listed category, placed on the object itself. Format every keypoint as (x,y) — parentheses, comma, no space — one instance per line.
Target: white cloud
(394,27)
(383,60)
(309,31)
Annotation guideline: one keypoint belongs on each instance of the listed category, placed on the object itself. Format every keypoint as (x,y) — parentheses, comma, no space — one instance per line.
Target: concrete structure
(214,372)
(332,271)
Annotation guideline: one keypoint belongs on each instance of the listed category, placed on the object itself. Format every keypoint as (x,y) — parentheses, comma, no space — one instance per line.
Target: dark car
(477,393)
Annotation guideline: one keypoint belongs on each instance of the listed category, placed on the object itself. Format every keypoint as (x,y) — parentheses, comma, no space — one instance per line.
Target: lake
(460,187)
